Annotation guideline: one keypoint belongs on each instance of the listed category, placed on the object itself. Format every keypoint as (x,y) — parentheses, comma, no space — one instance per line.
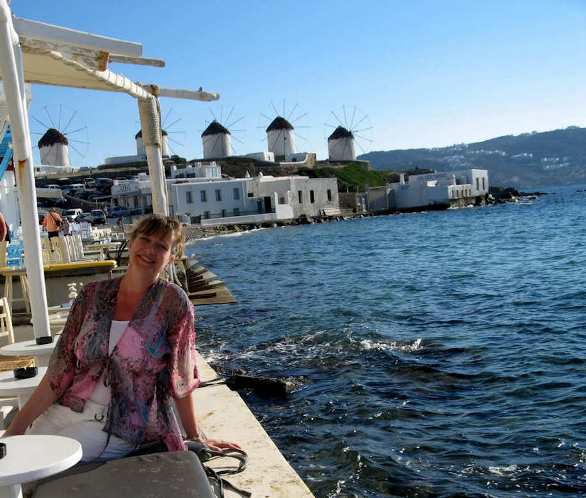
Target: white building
(216,141)
(341,145)
(280,137)
(216,201)
(261,199)
(430,191)
(135,194)
(54,148)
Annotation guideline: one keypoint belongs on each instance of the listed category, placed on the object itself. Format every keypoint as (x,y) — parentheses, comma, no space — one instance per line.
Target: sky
(423,73)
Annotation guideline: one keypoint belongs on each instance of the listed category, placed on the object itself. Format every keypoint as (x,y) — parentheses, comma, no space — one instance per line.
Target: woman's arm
(186,409)
(42,398)
(3,228)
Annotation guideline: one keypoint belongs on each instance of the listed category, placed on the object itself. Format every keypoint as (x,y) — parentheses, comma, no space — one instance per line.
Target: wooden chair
(6,329)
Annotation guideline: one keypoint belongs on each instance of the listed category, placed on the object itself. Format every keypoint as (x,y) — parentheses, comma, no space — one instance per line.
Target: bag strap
(206,454)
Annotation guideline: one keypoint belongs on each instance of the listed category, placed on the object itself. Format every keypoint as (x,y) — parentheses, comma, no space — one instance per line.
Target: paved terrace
(223,414)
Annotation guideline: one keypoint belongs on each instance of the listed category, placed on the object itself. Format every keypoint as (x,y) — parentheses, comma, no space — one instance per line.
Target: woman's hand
(219,445)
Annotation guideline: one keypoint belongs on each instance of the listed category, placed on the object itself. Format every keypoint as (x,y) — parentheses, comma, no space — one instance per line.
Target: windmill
(217,138)
(281,133)
(347,133)
(62,129)
(167,129)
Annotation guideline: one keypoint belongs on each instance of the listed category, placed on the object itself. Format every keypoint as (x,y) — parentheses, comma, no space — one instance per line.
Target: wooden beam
(57,34)
(124,59)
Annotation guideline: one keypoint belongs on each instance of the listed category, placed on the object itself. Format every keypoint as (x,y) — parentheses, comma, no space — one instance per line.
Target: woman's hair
(161,225)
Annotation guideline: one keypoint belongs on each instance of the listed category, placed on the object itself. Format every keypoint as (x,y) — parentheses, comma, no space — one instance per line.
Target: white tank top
(101,393)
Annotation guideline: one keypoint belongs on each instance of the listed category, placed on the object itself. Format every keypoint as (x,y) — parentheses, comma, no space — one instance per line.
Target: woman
(127,348)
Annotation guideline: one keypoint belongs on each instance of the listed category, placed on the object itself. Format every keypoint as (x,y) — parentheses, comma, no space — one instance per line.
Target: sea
(436,354)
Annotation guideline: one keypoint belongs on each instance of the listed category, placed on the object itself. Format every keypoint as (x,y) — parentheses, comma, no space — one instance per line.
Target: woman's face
(151,253)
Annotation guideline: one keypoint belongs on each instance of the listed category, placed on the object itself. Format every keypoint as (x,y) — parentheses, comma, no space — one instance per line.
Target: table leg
(43,359)
(14,491)
(25,292)
(8,290)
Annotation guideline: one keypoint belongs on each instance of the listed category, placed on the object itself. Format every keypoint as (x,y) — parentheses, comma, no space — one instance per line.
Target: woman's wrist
(198,436)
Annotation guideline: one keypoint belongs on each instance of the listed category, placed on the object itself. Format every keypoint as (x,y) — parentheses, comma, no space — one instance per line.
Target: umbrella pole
(150,123)
(12,70)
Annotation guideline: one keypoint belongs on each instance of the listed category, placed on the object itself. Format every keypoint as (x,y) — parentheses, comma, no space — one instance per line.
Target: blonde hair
(163,226)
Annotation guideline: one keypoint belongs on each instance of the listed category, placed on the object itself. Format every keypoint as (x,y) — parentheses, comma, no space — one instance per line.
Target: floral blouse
(154,358)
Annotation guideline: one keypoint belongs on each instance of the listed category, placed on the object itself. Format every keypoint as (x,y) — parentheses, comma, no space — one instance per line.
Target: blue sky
(424,73)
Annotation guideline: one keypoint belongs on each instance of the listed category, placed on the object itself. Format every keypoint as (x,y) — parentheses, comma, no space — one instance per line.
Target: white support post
(11,67)
(152,138)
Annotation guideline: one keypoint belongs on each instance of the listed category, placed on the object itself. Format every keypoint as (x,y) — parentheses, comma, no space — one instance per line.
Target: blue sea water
(437,354)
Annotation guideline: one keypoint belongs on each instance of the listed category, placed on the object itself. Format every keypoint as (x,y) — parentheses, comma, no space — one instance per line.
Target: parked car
(98,217)
(119,211)
(84,217)
(72,214)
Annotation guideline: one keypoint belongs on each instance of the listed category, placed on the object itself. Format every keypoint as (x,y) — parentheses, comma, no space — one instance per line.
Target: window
(218,194)
(250,194)
(236,194)
(483,184)
(300,195)
(311,196)
(223,213)
(281,200)
(204,197)
(329,195)
(477,183)
(206,215)
(188,197)
(236,212)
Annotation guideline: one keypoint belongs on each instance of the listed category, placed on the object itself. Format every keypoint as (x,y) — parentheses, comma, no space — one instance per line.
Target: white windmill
(281,134)
(217,138)
(216,141)
(347,134)
(166,130)
(63,129)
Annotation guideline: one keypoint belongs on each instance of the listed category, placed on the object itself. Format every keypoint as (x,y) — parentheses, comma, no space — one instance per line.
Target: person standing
(52,222)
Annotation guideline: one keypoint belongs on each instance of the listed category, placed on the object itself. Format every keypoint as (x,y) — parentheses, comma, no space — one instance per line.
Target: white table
(41,353)
(22,388)
(29,458)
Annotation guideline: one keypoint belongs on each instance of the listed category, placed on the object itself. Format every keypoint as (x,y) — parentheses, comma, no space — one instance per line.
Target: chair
(6,329)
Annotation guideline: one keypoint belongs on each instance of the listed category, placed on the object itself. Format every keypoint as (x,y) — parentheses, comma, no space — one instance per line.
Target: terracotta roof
(52,137)
(340,132)
(215,128)
(279,123)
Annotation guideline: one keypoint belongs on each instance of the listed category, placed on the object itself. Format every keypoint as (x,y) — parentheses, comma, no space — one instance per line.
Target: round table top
(28,348)
(29,457)
(9,386)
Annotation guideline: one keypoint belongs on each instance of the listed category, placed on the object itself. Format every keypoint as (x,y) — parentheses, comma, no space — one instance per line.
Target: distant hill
(529,160)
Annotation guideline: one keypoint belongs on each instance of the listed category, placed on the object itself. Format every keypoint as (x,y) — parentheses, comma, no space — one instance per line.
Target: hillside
(529,160)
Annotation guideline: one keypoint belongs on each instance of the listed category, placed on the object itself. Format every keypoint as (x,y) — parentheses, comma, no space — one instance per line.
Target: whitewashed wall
(216,146)
(281,142)
(56,154)
(341,149)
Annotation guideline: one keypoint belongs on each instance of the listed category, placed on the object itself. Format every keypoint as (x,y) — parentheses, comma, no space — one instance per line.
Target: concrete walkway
(223,414)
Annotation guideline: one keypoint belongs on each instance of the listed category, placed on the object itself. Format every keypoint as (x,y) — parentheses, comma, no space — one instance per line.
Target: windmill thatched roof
(139,134)
(279,123)
(340,132)
(215,128)
(52,137)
